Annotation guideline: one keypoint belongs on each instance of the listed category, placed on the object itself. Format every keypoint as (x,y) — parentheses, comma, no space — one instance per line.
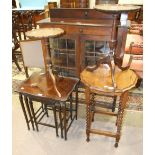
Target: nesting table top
(40,85)
(100,79)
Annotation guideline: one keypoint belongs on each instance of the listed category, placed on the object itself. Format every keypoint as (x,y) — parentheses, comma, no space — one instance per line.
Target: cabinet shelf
(65,67)
(63,49)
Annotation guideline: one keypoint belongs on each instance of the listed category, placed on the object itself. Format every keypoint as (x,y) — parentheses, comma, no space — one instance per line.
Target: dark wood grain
(41,85)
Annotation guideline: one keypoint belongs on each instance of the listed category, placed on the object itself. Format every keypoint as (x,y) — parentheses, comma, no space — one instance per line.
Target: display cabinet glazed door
(63,54)
(92,50)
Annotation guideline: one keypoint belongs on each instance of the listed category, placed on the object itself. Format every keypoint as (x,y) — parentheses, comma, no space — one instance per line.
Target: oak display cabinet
(89,34)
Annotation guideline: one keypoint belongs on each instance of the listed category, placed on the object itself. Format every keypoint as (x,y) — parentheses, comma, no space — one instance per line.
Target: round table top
(44,33)
(100,79)
(116,8)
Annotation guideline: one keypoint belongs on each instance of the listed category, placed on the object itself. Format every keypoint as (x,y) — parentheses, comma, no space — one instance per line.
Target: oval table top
(44,33)
(116,8)
(100,79)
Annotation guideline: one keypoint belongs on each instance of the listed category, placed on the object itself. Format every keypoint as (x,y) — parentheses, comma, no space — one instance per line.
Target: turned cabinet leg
(87,94)
(122,105)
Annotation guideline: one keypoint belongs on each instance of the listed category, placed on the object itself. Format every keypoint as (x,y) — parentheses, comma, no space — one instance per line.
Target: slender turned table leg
(122,105)
(93,106)
(24,112)
(71,106)
(46,52)
(65,123)
(55,119)
(33,114)
(29,112)
(76,100)
(87,94)
(60,117)
(46,110)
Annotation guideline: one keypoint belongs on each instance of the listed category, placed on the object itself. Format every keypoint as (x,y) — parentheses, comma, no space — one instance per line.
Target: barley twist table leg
(87,94)
(122,105)
(93,106)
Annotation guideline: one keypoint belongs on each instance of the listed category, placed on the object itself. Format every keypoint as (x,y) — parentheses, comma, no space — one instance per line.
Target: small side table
(44,34)
(48,88)
(39,87)
(118,40)
(99,82)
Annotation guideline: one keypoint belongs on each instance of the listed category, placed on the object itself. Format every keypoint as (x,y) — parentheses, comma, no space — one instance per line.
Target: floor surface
(45,141)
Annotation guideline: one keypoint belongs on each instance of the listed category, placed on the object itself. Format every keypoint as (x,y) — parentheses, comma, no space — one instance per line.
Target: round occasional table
(119,29)
(114,81)
(122,9)
(99,82)
(44,34)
